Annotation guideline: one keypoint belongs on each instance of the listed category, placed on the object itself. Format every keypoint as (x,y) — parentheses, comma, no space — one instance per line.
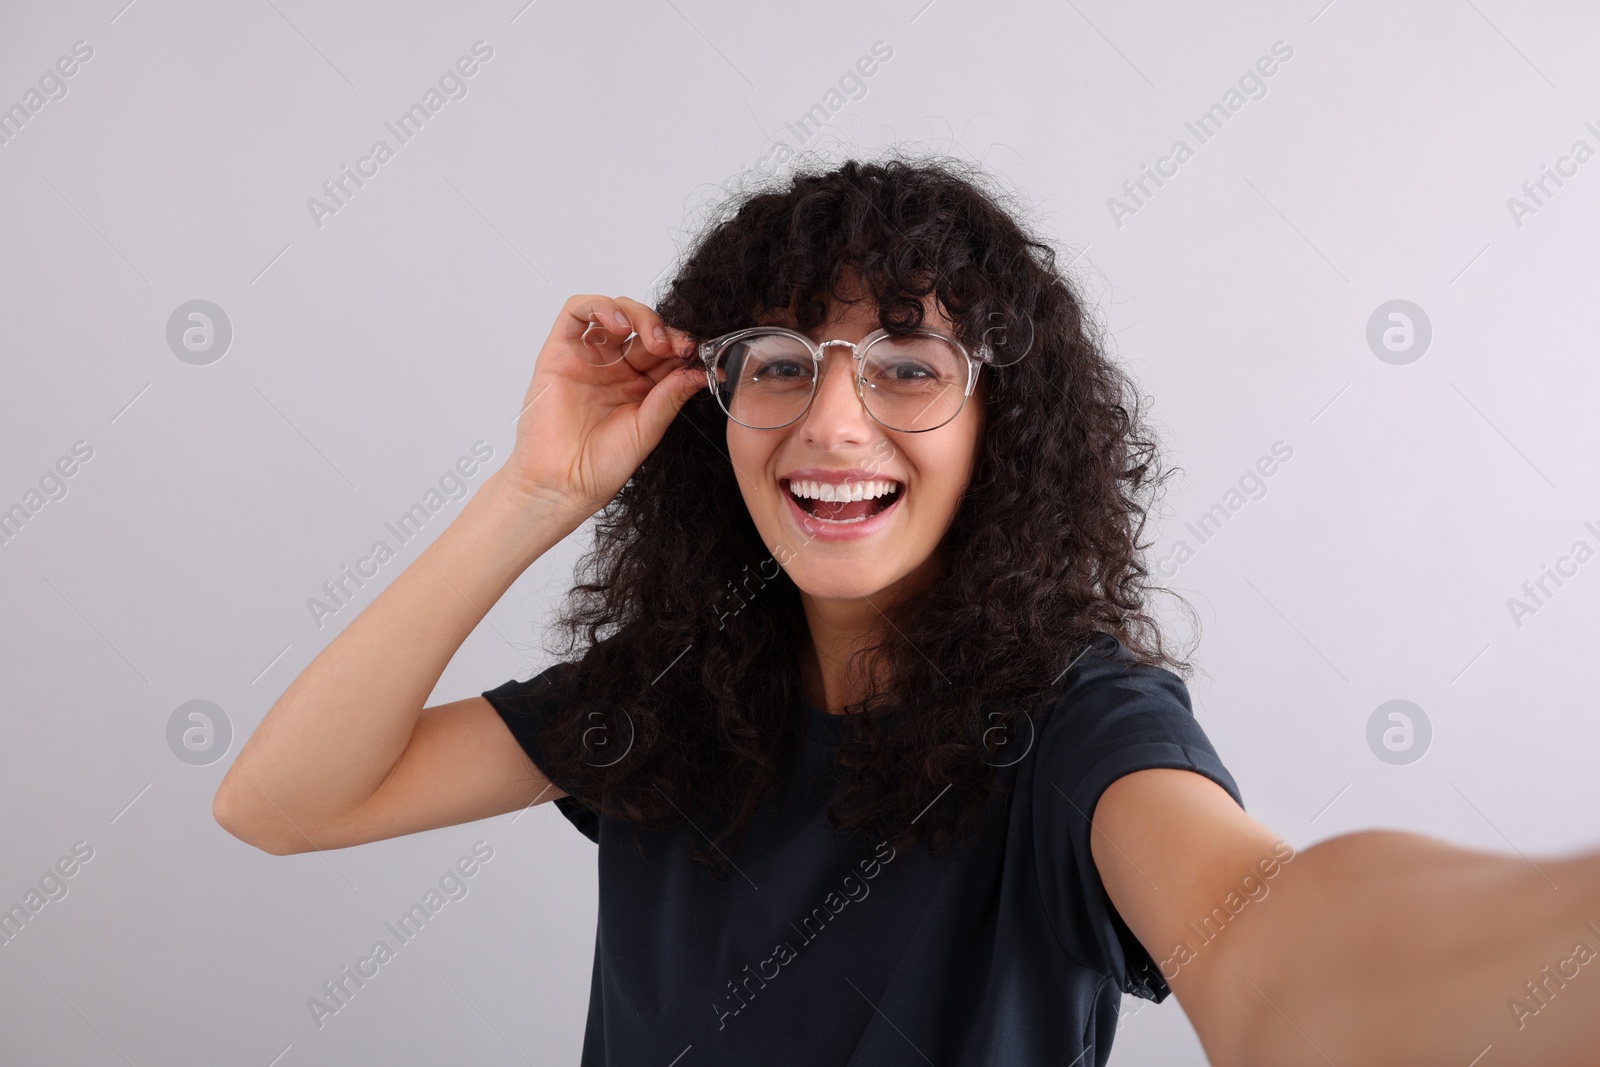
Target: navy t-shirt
(821,950)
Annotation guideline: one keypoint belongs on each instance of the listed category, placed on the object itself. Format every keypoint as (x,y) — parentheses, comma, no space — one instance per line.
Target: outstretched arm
(1370,949)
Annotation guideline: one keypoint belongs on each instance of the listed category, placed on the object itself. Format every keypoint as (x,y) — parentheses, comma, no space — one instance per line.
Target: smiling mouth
(844,502)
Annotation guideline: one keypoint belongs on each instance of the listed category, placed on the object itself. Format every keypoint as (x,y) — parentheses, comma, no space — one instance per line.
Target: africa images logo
(851,889)
(452,85)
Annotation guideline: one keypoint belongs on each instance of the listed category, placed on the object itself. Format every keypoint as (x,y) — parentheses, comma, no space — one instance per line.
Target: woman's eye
(782,369)
(907,372)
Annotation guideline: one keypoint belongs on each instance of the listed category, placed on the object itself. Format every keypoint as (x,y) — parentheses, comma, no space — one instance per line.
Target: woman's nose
(836,410)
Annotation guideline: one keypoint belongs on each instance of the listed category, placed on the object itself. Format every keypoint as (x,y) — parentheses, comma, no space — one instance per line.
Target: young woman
(884,756)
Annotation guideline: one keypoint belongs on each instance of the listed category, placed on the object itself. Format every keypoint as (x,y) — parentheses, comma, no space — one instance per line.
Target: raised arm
(333,738)
(348,753)
(1375,948)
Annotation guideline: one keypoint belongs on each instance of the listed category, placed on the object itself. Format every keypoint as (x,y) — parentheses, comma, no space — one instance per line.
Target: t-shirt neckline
(825,728)
(817,724)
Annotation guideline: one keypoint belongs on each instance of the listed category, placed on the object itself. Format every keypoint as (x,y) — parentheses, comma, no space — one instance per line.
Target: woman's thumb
(665,399)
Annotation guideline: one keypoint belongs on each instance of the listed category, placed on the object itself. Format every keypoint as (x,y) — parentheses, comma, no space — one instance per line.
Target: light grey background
(371,352)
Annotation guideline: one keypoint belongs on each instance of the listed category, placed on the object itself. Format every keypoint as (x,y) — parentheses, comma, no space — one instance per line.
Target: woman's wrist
(527,519)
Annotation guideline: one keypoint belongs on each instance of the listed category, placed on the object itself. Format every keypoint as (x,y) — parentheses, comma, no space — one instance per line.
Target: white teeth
(845,491)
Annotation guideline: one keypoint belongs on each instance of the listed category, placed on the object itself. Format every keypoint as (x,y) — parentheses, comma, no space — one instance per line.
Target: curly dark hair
(687,625)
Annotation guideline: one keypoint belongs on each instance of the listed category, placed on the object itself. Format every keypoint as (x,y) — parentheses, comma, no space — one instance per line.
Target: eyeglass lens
(767,380)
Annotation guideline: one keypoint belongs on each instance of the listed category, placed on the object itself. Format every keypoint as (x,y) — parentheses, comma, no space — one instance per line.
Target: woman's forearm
(334,735)
(1385,948)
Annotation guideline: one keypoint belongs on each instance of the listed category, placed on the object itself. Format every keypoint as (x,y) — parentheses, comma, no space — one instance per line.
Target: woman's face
(892,550)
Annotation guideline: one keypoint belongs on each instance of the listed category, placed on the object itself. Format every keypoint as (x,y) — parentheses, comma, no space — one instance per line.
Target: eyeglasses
(765,377)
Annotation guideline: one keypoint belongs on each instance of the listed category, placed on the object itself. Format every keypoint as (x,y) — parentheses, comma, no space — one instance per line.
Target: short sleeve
(1115,717)
(525,708)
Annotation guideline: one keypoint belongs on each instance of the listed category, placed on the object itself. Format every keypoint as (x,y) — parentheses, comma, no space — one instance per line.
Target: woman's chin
(840,582)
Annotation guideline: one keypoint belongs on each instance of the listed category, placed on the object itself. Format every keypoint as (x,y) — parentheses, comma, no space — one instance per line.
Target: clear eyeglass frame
(710,353)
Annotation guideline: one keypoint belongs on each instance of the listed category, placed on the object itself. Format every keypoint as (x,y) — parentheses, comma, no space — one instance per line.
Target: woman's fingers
(594,328)
(603,325)
(670,359)
(584,310)
(597,326)
(666,398)
(647,324)
(620,317)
